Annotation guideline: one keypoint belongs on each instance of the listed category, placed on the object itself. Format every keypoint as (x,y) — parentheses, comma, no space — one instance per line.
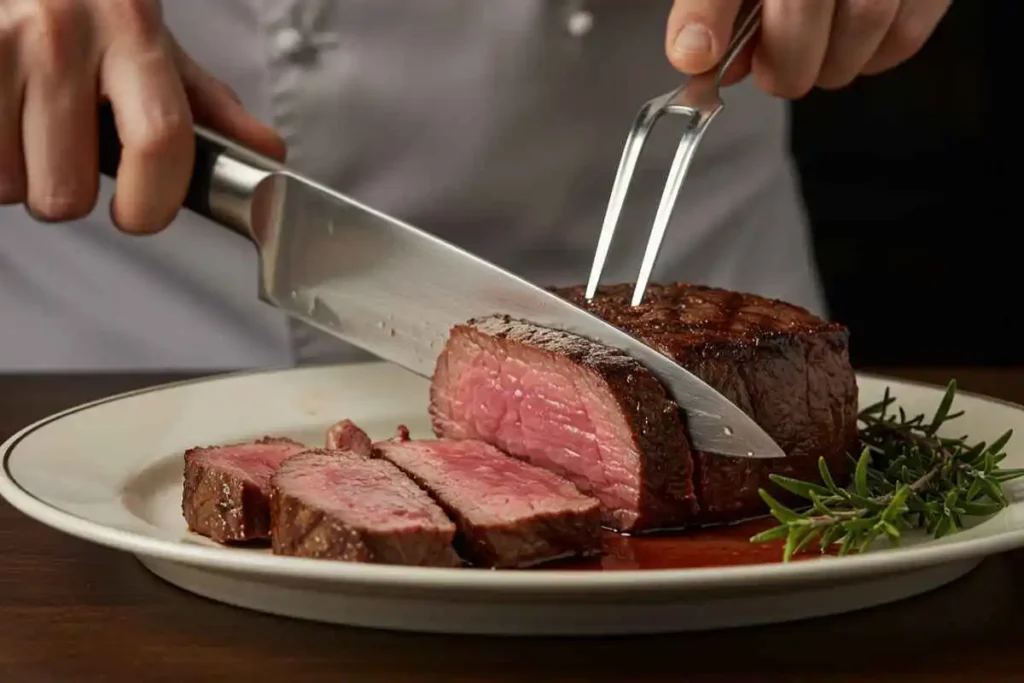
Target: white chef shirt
(495,124)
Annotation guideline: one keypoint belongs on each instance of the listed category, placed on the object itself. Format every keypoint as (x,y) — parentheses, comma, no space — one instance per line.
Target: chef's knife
(396,291)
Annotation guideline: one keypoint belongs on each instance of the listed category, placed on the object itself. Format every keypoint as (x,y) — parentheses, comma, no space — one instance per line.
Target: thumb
(698,33)
(216,105)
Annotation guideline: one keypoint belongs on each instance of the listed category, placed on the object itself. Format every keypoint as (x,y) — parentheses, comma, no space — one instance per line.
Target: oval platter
(110,472)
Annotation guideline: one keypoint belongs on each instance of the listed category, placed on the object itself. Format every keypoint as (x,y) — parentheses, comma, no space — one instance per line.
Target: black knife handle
(207,152)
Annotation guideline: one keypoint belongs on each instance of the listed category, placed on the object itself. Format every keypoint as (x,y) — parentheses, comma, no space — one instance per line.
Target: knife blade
(391,289)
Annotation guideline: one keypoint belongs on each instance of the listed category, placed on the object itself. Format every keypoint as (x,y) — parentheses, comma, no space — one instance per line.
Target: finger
(12,160)
(59,112)
(857,30)
(914,24)
(216,105)
(698,33)
(794,39)
(155,127)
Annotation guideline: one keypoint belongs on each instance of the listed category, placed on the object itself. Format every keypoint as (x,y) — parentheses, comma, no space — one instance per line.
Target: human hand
(803,43)
(58,60)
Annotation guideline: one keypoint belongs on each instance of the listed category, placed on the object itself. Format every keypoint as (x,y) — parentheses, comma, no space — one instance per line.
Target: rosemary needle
(906,477)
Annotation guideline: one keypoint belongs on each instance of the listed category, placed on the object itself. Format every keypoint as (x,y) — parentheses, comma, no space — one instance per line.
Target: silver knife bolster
(237,172)
(233,185)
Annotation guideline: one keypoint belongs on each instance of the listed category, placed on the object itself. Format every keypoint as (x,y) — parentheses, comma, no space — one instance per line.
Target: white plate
(110,472)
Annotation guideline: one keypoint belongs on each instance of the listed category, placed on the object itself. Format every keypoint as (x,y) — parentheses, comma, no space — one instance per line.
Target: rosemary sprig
(907,477)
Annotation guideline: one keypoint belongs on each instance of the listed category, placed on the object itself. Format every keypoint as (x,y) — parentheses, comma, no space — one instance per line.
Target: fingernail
(692,39)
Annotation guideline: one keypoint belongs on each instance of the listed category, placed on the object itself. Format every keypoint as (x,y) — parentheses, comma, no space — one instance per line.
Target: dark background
(911,184)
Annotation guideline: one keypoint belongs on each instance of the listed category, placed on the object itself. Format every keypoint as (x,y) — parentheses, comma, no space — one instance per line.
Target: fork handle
(748,22)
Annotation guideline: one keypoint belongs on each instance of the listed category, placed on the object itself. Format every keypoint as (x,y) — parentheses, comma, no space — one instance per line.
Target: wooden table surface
(72,612)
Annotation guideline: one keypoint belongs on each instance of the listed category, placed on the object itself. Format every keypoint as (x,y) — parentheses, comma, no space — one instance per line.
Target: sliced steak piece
(346,436)
(227,488)
(551,399)
(509,513)
(340,505)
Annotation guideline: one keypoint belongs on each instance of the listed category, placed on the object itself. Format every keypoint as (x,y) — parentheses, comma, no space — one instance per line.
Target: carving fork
(698,99)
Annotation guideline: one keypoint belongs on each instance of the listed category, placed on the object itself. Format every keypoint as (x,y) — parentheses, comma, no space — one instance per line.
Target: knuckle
(163,134)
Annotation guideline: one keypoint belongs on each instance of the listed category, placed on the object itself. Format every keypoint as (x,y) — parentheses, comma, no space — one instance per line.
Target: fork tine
(673,184)
(635,141)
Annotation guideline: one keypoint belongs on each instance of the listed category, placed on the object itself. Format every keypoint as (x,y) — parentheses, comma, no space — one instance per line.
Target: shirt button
(580,23)
(289,42)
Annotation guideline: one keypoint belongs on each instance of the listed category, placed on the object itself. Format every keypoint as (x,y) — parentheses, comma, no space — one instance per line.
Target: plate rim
(535,581)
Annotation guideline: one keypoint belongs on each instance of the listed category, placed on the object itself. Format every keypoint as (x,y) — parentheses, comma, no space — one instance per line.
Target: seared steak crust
(782,365)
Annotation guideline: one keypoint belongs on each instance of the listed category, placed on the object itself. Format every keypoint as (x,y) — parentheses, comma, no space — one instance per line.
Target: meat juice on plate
(720,546)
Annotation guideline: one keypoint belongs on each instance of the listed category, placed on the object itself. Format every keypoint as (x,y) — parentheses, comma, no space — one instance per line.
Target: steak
(341,505)
(508,513)
(227,488)
(599,418)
